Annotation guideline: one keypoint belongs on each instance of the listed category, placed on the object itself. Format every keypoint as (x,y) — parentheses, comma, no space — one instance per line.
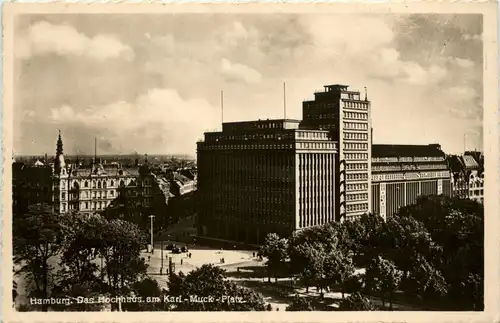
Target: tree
(78,274)
(456,227)
(151,295)
(338,269)
(37,237)
(383,278)
(275,249)
(356,302)
(299,304)
(210,282)
(119,244)
(424,279)
(364,235)
(308,260)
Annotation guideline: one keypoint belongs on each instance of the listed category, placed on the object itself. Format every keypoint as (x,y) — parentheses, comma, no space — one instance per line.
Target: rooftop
(433,150)
(470,162)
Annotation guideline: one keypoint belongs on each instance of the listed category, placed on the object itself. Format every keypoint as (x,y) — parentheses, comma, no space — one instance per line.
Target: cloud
(159,121)
(401,61)
(461,62)
(45,38)
(240,72)
(462,93)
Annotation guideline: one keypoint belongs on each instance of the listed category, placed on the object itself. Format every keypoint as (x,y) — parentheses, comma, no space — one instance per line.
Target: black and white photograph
(236,160)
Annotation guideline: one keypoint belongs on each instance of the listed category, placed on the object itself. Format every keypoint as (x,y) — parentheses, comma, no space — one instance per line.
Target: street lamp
(152,245)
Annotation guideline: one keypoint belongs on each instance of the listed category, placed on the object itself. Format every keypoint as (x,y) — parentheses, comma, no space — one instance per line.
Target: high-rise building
(401,173)
(347,117)
(265,176)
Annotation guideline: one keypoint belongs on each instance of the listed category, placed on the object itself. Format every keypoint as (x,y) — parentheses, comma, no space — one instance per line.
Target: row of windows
(357,176)
(357,166)
(356,115)
(355,135)
(476,192)
(357,207)
(351,156)
(473,184)
(355,146)
(320,115)
(94,194)
(249,146)
(357,105)
(357,187)
(253,136)
(102,183)
(315,145)
(355,125)
(312,135)
(357,197)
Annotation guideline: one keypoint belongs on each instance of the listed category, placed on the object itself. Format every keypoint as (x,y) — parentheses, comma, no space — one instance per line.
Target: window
(99,184)
(86,184)
(63,196)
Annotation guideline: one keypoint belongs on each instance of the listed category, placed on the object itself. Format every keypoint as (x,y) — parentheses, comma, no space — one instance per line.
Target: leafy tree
(383,278)
(78,274)
(119,244)
(275,249)
(210,281)
(364,236)
(424,279)
(338,269)
(308,260)
(37,237)
(147,288)
(457,228)
(356,302)
(299,304)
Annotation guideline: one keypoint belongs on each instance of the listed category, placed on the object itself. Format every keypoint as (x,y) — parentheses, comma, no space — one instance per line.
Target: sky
(151,83)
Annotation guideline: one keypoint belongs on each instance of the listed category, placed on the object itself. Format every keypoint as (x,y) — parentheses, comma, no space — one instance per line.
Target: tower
(348,118)
(59,163)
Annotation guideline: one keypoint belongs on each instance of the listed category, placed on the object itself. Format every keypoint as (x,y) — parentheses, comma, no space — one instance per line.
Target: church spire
(59,150)
(59,163)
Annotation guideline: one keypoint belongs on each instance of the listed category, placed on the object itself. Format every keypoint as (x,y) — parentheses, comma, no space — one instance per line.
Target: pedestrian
(181,262)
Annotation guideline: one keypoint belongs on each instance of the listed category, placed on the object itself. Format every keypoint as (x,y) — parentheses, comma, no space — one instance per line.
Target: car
(176,250)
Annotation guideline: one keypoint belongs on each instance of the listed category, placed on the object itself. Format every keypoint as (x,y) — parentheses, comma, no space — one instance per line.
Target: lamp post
(161,255)
(152,241)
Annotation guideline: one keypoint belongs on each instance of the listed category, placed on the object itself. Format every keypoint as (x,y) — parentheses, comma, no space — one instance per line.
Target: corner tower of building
(59,163)
(347,116)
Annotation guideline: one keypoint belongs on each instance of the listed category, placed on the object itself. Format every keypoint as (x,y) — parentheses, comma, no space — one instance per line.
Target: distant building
(181,185)
(460,177)
(468,175)
(265,176)
(132,193)
(401,173)
(347,117)
(30,185)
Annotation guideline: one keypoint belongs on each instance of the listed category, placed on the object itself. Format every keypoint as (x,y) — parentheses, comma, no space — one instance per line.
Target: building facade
(401,173)
(348,119)
(261,177)
(467,176)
